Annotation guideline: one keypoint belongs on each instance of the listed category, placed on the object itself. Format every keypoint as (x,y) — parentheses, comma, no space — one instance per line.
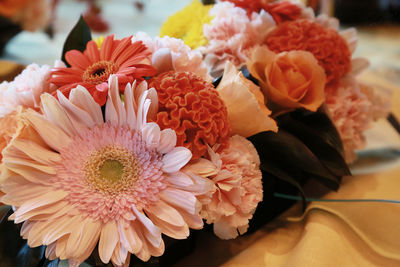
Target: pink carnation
(232,33)
(351,112)
(25,90)
(172,54)
(237,186)
(379,98)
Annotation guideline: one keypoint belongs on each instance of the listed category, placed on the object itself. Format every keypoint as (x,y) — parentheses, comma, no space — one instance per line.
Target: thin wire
(309,199)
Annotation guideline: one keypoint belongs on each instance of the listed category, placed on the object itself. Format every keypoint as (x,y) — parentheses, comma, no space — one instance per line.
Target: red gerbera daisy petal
(94,66)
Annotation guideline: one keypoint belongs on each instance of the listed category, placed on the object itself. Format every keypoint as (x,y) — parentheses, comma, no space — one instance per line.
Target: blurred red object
(93,18)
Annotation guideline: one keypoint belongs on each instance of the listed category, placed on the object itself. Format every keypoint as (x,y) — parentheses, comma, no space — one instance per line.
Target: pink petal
(51,134)
(166,213)
(181,199)
(108,241)
(36,234)
(77,115)
(179,180)
(202,167)
(194,221)
(51,251)
(81,98)
(60,249)
(130,106)
(45,199)
(176,159)
(37,152)
(119,256)
(167,141)
(162,60)
(152,232)
(129,238)
(224,230)
(176,232)
(151,134)
(88,240)
(115,111)
(59,228)
(40,213)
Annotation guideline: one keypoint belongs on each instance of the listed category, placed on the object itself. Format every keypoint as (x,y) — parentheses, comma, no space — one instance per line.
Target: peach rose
(289,79)
(244,100)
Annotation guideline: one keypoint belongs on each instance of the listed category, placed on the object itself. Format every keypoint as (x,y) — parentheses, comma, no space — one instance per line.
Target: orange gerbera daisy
(93,67)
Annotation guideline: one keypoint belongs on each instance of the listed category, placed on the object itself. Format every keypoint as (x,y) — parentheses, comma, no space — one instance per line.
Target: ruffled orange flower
(93,67)
(327,46)
(192,108)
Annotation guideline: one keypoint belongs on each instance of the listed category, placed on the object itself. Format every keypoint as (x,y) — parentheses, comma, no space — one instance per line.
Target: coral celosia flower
(93,67)
(170,53)
(231,34)
(187,24)
(328,47)
(191,106)
(25,90)
(78,179)
(238,186)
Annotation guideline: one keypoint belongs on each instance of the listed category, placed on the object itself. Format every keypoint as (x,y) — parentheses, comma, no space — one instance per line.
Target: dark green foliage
(77,39)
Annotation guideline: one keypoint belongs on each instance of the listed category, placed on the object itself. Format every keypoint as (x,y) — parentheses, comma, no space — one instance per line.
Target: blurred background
(378,23)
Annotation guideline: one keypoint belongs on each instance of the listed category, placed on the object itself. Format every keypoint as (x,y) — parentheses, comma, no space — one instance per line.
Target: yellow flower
(99,40)
(187,24)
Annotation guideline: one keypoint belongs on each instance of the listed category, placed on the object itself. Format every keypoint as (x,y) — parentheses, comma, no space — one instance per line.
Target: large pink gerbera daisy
(77,179)
(92,68)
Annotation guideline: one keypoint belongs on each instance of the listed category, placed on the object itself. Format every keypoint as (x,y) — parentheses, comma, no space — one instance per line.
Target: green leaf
(77,39)
(321,124)
(317,132)
(286,151)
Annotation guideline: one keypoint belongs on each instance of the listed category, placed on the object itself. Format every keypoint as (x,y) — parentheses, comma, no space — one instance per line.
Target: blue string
(336,200)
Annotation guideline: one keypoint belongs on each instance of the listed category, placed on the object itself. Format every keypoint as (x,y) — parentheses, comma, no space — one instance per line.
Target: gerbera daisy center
(99,72)
(112,169)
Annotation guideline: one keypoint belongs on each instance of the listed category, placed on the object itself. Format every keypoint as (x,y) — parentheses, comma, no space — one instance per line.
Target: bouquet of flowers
(124,141)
